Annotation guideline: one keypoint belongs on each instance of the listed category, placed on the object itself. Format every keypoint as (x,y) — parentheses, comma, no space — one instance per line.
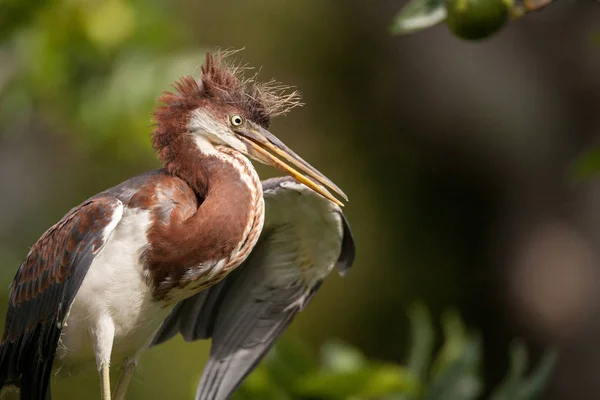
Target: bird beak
(266,148)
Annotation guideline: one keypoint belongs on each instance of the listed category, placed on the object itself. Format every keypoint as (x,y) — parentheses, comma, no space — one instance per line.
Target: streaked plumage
(97,286)
(45,286)
(304,237)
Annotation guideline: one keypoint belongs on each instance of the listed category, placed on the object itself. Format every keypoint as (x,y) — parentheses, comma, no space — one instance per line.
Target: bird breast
(115,288)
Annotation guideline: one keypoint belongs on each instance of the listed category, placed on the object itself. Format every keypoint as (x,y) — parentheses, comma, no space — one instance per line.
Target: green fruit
(476,19)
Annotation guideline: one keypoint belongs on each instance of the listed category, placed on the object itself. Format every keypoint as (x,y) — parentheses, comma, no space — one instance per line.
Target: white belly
(115,291)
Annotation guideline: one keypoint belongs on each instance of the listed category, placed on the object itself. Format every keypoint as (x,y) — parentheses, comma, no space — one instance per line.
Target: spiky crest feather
(219,85)
(224,83)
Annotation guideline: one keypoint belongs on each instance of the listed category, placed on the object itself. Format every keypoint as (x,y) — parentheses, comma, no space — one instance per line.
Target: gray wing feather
(193,317)
(247,326)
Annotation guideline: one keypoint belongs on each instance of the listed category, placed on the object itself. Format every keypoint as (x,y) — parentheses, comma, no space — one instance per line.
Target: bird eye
(236,120)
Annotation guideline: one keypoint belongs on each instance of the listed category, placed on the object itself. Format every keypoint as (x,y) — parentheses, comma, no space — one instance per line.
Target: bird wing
(348,253)
(247,311)
(44,289)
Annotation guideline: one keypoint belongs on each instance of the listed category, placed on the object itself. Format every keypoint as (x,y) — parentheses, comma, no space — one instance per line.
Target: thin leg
(103,335)
(105,381)
(125,378)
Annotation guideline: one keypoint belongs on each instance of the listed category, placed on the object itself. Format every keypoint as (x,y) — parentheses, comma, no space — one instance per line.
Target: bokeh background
(457,158)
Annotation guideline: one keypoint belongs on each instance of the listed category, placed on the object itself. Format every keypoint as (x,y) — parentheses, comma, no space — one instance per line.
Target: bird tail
(26,363)
(10,378)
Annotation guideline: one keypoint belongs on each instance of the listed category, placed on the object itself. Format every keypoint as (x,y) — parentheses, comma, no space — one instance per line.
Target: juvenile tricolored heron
(98,285)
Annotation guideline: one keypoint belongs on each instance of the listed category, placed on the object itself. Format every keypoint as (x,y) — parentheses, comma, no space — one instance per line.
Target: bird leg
(125,378)
(105,381)
(103,335)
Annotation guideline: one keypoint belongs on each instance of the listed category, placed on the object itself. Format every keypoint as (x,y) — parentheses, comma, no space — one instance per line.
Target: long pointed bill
(266,148)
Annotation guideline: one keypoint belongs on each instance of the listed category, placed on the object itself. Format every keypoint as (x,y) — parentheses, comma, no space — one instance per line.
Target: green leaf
(455,371)
(288,362)
(346,372)
(297,355)
(455,342)
(276,377)
(422,340)
(369,382)
(388,379)
(535,384)
(515,386)
(417,15)
(586,165)
(338,356)
(333,385)
(460,380)
(510,387)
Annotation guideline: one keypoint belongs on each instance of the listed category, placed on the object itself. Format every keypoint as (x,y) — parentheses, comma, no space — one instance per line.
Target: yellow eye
(236,120)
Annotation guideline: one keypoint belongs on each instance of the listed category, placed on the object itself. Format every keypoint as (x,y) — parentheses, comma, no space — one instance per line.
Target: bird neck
(204,247)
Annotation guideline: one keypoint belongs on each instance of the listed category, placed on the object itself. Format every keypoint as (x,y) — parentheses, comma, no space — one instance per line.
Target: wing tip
(348,251)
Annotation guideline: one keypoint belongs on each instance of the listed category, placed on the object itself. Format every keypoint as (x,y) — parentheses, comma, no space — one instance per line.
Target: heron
(97,286)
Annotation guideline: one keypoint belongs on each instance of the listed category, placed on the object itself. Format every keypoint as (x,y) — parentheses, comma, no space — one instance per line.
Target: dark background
(456,157)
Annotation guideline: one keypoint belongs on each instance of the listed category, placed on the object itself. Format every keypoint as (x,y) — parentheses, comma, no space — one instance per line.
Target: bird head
(221,109)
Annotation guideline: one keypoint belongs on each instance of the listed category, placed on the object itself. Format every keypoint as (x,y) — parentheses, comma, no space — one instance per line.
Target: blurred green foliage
(586,165)
(480,19)
(342,372)
(92,66)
